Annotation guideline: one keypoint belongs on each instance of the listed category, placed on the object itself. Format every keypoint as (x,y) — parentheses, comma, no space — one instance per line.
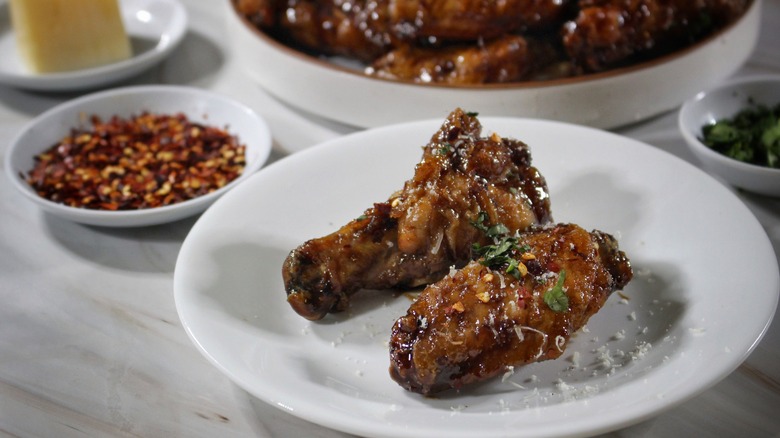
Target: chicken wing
(419,232)
(461,20)
(366,29)
(607,33)
(519,303)
(509,58)
(355,29)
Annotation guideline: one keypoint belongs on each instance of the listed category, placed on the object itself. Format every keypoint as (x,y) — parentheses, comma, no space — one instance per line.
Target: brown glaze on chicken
(479,320)
(510,58)
(415,236)
(407,36)
(462,20)
(353,29)
(608,32)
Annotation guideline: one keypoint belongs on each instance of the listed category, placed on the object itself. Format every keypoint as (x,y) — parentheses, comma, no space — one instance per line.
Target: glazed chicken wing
(459,20)
(519,303)
(510,58)
(608,32)
(366,29)
(419,232)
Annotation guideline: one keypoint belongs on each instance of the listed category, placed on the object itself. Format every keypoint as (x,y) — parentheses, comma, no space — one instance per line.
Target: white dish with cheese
(154,28)
(54,36)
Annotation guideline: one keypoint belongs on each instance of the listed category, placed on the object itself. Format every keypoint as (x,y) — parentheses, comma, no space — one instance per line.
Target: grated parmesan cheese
(437,243)
(501,280)
(519,331)
(559,341)
(575,359)
(640,351)
(697,331)
(509,371)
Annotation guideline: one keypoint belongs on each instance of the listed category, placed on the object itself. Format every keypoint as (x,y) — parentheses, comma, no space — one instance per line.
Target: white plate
(706,288)
(155,28)
(605,100)
(198,105)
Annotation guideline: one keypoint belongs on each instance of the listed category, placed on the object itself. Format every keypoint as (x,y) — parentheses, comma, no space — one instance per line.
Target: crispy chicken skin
(479,320)
(607,32)
(261,13)
(510,58)
(355,29)
(461,20)
(415,236)
(358,27)
(350,28)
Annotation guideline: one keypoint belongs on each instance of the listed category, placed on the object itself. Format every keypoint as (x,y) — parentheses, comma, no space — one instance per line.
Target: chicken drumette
(606,33)
(510,58)
(367,29)
(415,236)
(519,303)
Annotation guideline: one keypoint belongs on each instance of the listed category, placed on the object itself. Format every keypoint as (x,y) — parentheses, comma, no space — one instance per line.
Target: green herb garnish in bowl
(733,132)
(751,136)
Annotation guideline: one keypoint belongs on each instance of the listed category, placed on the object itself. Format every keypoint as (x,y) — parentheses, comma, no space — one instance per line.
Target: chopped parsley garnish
(444,149)
(515,270)
(751,136)
(500,253)
(493,231)
(556,298)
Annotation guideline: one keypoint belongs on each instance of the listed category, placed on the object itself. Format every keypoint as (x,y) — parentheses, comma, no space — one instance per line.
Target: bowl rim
(690,132)
(322,62)
(153,215)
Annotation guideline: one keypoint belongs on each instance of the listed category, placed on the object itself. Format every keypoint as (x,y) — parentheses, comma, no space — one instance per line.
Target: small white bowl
(724,102)
(198,105)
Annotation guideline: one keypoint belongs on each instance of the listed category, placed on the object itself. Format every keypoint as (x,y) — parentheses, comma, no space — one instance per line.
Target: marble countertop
(90,341)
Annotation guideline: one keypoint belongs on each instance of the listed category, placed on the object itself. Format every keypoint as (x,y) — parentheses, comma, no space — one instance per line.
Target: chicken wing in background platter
(606,33)
(469,42)
(510,58)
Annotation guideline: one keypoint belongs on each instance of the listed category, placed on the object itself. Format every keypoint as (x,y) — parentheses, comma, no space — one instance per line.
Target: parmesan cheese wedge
(65,35)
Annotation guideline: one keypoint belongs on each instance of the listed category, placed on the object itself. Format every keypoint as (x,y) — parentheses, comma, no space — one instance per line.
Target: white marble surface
(90,342)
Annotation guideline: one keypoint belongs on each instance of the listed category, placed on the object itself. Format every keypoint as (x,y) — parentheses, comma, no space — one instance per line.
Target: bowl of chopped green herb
(734,131)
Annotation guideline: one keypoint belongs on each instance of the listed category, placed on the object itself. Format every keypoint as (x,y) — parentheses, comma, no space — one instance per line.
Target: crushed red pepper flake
(146,161)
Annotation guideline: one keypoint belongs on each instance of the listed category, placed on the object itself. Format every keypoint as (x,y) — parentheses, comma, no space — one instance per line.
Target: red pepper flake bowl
(137,156)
